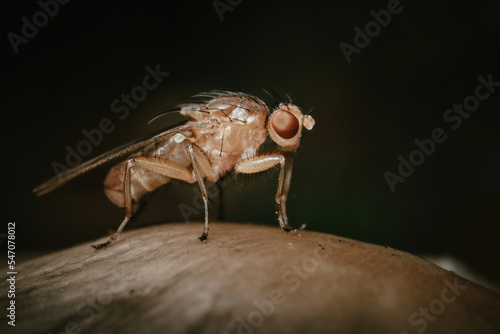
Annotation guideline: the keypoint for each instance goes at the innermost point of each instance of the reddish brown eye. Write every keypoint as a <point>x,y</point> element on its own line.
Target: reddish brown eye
<point>285,124</point>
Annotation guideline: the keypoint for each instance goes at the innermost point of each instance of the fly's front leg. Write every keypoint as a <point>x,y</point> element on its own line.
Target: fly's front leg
<point>262,163</point>
<point>285,179</point>
<point>158,166</point>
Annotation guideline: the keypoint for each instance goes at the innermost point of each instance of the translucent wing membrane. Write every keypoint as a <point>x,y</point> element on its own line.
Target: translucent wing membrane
<point>125,150</point>
<point>214,94</point>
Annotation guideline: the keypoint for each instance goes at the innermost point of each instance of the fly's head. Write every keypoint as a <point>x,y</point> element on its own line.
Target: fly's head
<point>284,125</point>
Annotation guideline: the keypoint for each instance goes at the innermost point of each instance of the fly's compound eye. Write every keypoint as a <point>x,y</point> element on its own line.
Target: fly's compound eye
<point>285,124</point>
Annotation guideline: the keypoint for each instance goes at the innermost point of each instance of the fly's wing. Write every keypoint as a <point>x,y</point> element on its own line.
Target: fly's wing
<point>119,152</point>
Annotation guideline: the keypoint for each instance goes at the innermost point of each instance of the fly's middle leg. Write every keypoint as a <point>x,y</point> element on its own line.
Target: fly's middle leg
<point>154,165</point>
<point>202,169</point>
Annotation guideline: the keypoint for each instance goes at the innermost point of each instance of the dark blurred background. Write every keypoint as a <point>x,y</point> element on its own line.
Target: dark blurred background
<point>368,112</point>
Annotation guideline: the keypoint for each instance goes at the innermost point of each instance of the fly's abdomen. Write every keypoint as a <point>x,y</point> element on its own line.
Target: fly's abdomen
<point>142,182</point>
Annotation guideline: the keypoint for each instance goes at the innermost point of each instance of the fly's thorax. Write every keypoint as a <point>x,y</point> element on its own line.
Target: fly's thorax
<point>237,128</point>
<point>231,107</point>
<point>227,143</point>
<point>172,150</point>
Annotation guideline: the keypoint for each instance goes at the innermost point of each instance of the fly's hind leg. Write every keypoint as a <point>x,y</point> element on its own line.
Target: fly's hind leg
<point>154,165</point>
<point>265,162</point>
<point>115,235</point>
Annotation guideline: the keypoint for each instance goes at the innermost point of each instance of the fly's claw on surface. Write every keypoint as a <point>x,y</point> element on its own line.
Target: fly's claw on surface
<point>294,230</point>
<point>100,246</point>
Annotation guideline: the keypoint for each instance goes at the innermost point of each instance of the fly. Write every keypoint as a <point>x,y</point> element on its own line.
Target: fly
<point>222,133</point>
